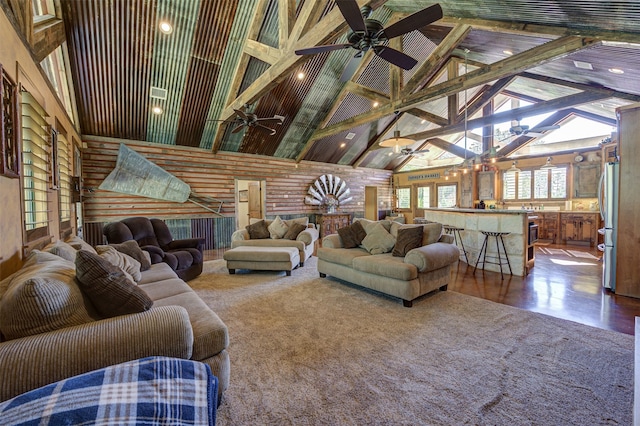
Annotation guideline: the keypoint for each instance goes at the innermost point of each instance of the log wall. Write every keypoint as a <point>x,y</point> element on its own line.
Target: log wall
<point>213,175</point>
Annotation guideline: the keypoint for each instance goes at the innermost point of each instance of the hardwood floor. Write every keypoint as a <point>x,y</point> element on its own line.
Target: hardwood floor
<point>565,283</point>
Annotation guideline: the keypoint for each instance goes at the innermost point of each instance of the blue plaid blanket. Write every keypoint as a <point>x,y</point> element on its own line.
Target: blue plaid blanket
<point>149,391</point>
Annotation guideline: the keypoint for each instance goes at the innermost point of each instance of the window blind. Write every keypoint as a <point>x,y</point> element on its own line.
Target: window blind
<point>64,163</point>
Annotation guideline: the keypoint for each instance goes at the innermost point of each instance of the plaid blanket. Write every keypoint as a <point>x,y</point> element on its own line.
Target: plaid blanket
<point>149,391</point>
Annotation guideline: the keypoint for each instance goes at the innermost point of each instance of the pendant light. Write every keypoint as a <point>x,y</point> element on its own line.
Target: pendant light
<point>513,168</point>
<point>548,165</point>
<point>397,142</point>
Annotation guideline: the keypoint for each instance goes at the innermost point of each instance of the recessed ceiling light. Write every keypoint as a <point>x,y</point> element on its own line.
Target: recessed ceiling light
<point>375,104</point>
<point>343,144</point>
<point>300,75</point>
<point>583,65</point>
<point>507,52</point>
<point>423,121</point>
<point>157,110</point>
<point>616,70</point>
<point>165,27</point>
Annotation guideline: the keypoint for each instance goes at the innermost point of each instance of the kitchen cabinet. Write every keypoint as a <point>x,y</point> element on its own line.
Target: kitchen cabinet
<point>547,226</point>
<point>579,228</point>
<point>486,185</point>
<point>329,223</point>
<point>585,180</point>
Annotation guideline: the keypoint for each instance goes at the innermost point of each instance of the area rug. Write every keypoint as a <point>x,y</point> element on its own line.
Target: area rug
<point>315,351</point>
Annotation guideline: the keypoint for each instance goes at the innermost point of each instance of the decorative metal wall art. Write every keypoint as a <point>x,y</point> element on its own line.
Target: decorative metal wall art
<point>329,192</point>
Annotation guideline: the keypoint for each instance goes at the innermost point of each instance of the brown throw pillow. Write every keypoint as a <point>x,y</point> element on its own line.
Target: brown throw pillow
<point>352,235</point>
<point>408,239</point>
<point>294,230</point>
<point>258,230</point>
<point>132,249</point>
<point>110,291</point>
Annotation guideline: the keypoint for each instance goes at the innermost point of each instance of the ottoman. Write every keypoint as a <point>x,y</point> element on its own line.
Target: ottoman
<point>262,258</point>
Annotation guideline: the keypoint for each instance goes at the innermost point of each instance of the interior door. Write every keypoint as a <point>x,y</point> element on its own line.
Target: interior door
<point>255,201</point>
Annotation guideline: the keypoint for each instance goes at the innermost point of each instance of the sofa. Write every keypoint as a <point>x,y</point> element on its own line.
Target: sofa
<point>70,310</point>
<point>184,256</point>
<point>277,232</point>
<point>403,261</point>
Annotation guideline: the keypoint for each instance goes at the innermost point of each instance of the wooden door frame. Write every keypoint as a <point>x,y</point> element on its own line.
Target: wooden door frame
<point>263,192</point>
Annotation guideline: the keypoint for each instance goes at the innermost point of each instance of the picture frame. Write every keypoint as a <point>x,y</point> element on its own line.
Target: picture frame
<point>243,195</point>
<point>9,129</point>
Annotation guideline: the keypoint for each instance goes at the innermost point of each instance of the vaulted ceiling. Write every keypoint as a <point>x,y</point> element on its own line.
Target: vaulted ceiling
<point>239,54</point>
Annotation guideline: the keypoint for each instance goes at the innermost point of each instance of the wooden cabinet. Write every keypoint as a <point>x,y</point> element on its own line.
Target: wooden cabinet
<point>585,180</point>
<point>547,227</point>
<point>329,223</point>
<point>579,228</point>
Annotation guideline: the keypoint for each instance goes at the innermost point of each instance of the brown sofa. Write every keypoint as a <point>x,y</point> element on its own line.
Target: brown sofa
<point>62,335</point>
<point>420,271</point>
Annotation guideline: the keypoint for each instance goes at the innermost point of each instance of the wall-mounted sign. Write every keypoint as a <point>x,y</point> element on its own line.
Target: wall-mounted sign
<point>435,175</point>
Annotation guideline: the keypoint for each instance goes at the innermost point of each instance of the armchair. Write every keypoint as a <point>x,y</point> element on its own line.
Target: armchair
<point>152,235</point>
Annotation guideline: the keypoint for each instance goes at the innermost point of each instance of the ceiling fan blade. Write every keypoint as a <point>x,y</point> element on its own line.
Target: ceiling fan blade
<point>395,57</point>
<point>266,129</point>
<point>351,68</point>
<point>320,49</point>
<point>532,134</point>
<point>241,114</point>
<point>413,22</point>
<point>238,128</point>
<point>543,128</point>
<point>276,119</point>
<point>351,12</point>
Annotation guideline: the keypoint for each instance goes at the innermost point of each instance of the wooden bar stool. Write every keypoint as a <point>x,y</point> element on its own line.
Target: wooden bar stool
<point>497,236</point>
<point>455,231</point>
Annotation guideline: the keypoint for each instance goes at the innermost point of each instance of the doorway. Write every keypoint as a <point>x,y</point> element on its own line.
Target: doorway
<point>250,201</point>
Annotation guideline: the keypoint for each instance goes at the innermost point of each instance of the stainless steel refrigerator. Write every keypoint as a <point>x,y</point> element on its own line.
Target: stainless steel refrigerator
<point>608,202</point>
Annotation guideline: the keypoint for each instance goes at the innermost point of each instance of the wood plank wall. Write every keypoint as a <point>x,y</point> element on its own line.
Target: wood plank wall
<point>212,175</point>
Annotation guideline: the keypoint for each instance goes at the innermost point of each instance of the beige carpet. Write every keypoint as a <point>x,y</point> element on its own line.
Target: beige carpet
<point>312,351</point>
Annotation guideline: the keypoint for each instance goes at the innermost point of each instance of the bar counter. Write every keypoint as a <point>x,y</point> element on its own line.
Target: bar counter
<point>515,222</point>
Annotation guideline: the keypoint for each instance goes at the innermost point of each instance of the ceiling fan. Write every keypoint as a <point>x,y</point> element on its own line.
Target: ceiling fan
<point>247,119</point>
<point>409,151</point>
<point>518,129</point>
<point>366,33</point>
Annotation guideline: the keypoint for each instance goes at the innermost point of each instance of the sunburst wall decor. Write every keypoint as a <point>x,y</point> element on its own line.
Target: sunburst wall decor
<point>328,192</point>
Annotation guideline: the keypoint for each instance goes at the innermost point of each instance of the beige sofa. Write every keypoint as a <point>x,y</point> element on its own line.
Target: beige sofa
<point>67,336</point>
<point>420,271</point>
<point>304,241</point>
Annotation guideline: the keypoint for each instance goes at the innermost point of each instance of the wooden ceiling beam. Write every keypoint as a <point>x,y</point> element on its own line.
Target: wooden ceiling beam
<point>452,148</point>
<point>373,144</point>
<point>504,68</point>
<point>436,59</point>
<point>513,114</point>
<point>395,73</point>
<point>329,27</point>
<point>486,95</point>
<point>308,17</point>
<point>264,52</point>
<point>47,36</point>
<point>424,115</point>
<point>286,17</point>
<point>521,141</point>
<point>366,92</point>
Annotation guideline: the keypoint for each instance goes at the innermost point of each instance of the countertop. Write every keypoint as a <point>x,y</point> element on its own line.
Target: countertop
<point>507,211</point>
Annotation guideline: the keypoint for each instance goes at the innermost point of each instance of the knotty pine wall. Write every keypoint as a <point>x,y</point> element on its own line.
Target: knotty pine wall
<point>213,175</point>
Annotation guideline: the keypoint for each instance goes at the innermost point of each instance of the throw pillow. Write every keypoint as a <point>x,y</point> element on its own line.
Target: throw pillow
<point>368,225</point>
<point>431,233</point>
<point>106,286</point>
<point>62,249</point>
<point>131,248</point>
<point>79,244</point>
<point>409,237</point>
<point>301,220</point>
<point>378,240</point>
<point>128,264</point>
<point>258,230</point>
<point>294,230</point>
<point>277,228</point>
<point>352,235</point>
<point>41,297</point>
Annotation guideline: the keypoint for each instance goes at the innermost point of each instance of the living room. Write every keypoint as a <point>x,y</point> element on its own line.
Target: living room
<point>467,104</point>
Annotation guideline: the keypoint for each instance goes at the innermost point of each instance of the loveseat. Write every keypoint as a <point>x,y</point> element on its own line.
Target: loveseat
<point>404,261</point>
<point>184,256</point>
<point>65,314</point>
<point>278,233</point>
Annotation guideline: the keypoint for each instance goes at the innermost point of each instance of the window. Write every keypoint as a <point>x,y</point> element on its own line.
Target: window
<point>542,184</point>
<point>64,162</point>
<point>403,198</point>
<point>423,194</point>
<point>447,195</point>
<point>36,167</point>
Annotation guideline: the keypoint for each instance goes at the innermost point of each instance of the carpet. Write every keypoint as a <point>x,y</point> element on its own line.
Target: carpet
<point>311,351</point>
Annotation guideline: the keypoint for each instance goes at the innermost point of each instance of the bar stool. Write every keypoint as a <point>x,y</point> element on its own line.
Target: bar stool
<point>497,236</point>
<point>455,231</point>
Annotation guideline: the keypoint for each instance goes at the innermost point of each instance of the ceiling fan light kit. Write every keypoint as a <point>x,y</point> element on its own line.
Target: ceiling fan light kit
<point>397,142</point>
